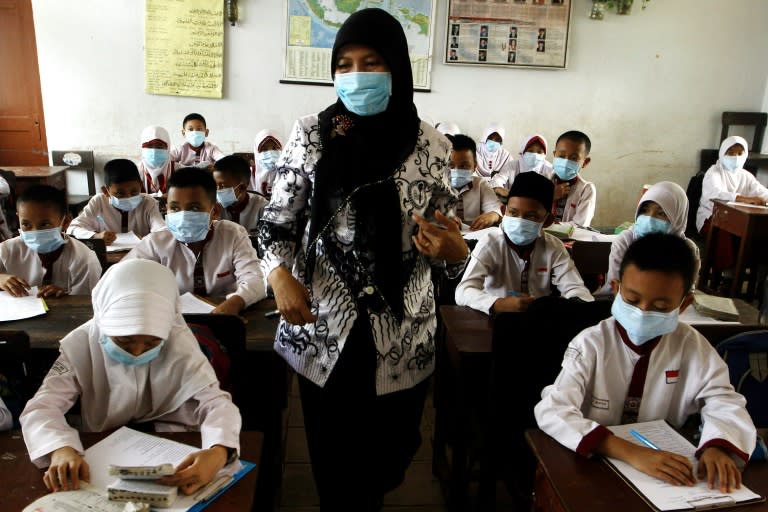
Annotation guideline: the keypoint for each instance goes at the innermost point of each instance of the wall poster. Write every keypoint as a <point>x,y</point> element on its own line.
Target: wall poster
<point>512,33</point>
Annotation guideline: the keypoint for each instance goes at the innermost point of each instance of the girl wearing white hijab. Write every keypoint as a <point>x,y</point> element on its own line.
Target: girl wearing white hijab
<point>135,361</point>
<point>662,209</point>
<point>267,148</point>
<point>533,157</point>
<point>155,166</point>
<point>492,158</point>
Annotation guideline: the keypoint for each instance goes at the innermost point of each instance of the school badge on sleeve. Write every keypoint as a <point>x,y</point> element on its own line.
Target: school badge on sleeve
<point>672,376</point>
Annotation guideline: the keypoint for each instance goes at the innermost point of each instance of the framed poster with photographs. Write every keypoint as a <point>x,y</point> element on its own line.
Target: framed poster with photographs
<point>511,33</point>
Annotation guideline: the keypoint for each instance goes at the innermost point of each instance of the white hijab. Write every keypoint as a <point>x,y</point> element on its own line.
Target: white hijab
<point>528,140</point>
<point>672,199</point>
<point>135,297</point>
<point>726,145</point>
<point>487,162</point>
<point>262,136</point>
<point>151,133</point>
<point>448,128</point>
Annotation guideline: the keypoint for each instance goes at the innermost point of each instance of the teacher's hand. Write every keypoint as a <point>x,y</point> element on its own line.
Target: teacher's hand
<point>440,242</point>
<point>291,297</point>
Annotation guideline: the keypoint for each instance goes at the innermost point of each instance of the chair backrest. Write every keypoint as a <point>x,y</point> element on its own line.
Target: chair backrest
<point>77,160</point>
<point>248,157</point>
<point>693,193</point>
<point>591,257</point>
<point>98,246</point>
<point>9,204</point>
<point>746,355</point>
<point>758,120</point>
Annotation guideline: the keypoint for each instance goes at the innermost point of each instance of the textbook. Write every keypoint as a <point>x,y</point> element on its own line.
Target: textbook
<point>562,230</point>
<point>128,447</point>
<point>721,308</point>
<point>661,495</point>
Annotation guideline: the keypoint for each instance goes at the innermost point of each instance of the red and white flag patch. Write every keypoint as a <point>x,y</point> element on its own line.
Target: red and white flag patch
<point>673,376</point>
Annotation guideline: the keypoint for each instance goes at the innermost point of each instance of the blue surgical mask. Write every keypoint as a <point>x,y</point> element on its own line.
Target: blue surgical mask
<point>188,227</point>
<point>460,177</point>
<point>520,231</point>
<point>364,94</point>
<point>123,357</point>
<point>126,204</point>
<point>642,326</point>
<point>154,157</point>
<point>645,225</point>
<point>492,145</point>
<point>565,169</point>
<point>43,241</point>
<point>732,163</point>
<point>226,196</point>
<point>268,159</point>
<point>533,160</point>
<point>195,138</point>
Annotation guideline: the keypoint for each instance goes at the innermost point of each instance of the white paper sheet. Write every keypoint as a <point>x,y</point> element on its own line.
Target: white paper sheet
<point>191,304</point>
<point>87,498</point>
<point>124,242</point>
<point>476,235</point>
<point>587,235</point>
<point>665,496</point>
<point>17,308</point>
<point>693,317</point>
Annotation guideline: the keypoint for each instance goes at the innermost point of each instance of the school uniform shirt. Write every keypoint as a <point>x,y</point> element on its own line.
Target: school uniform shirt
<point>262,178</point>
<point>495,269</point>
<point>246,214</point>
<point>76,270</point>
<point>506,177</point>
<point>141,220</point>
<point>684,375</point>
<point>178,390</point>
<point>5,191</point>
<point>187,156</point>
<point>230,263</point>
<point>406,349</point>
<point>154,180</point>
<point>475,199</point>
<point>580,203</point>
<point>720,183</point>
<point>488,164</point>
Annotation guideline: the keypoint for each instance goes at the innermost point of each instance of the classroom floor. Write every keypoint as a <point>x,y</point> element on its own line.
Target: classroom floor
<point>420,492</point>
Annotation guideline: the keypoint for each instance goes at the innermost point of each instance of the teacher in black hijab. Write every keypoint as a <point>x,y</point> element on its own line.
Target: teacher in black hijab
<point>359,217</point>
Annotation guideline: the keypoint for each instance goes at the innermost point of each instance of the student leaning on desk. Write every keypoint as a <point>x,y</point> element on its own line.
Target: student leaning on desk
<point>641,365</point>
<point>135,361</point>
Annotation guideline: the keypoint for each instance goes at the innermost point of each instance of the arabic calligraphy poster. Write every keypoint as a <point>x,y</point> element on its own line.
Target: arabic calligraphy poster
<point>510,33</point>
<point>184,47</point>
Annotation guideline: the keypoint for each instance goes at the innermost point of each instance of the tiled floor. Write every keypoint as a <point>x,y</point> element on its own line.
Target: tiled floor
<point>419,493</point>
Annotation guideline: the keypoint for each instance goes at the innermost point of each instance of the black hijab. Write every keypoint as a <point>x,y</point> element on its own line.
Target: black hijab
<point>365,151</point>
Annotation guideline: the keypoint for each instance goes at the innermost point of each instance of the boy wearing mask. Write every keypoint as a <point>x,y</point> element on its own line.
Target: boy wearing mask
<point>575,198</point>
<point>196,151</point>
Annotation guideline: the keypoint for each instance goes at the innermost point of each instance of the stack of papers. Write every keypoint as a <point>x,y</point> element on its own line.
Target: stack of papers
<point>720,308</point>
<point>562,230</point>
<point>124,242</point>
<point>18,308</point>
<point>191,303</point>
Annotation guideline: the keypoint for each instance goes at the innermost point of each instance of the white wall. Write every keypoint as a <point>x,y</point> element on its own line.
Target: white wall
<point>648,88</point>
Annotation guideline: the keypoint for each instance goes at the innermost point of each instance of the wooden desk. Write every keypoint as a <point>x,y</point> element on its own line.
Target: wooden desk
<point>750,225</point>
<point>567,481</point>
<point>23,481</point>
<point>54,175</point>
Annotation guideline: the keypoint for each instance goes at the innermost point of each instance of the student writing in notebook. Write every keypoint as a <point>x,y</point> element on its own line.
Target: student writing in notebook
<point>196,151</point>
<point>510,267</point>
<point>136,361</point>
<point>119,208</point>
<point>209,257</point>
<point>232,175</point>
<point>642,364</point>
<point>42,255</point>
<point>575,198</point>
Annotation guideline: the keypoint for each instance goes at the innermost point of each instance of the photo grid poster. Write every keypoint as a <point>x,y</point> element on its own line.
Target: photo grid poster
<point>312,26</point>
<point>513,33</point>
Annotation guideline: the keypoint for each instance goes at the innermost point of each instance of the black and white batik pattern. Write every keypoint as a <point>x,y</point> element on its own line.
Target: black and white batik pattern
<point>405,350</point>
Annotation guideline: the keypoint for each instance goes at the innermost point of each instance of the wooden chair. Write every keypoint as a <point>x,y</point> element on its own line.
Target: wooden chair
<point>77,161</point>
<point>591,260</point>
<point>9,203</point>
<point>98,246</point>
<point>14,360</point>
<point>757,120</point>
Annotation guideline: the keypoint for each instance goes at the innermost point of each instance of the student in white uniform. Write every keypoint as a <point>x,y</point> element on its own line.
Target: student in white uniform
<point>155,166</point>
<point>196,151</point>
<point>477,207</point>
<point>119,208</point>
<point>135,361</point>
<point>232,175</point>
<point>267,148</point>
<point>209,257</point>
<point>5,191</point>
<point>575,198</point>
<point>642,364</point>
<point>42,255</point>
<point>727,180</point>
<point>662,209</point>
<point>492,158</point>
<point>533,157</point>
<point>511,267</point>
<point>6,419</point>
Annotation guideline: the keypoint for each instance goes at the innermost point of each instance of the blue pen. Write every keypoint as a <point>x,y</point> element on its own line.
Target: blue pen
<point>640,437</point>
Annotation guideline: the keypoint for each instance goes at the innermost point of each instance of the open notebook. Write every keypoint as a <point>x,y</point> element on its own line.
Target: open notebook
<point>661,495</point>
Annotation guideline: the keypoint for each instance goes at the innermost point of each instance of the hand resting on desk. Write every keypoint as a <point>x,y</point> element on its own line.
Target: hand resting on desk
<point>197,469</point>
<point>66,465</point>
